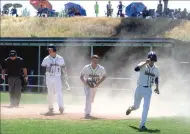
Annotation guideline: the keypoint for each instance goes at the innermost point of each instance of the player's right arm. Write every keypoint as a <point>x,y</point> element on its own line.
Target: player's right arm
<point>141,65</point>
<point>44,62</point>
<point>82,75</point>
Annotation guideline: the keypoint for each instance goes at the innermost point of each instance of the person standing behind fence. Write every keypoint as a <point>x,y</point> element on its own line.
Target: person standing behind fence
<point>14,66</point>
<point>54,64</point>
<point>120,9</point>
<point>96,9</point>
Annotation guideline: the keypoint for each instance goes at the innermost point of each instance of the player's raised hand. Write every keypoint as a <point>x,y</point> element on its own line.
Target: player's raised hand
<point>148,60</point>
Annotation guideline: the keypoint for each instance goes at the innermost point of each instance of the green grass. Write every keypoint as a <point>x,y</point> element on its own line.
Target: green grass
<point>173,125</point>
<point>162,126</point>
<point>26,98</point>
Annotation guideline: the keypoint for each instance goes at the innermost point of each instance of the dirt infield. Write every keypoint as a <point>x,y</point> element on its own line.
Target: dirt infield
<point>37,111</point>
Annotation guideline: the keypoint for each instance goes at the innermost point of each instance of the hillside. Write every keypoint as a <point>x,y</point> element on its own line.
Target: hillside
<point>94,27</point>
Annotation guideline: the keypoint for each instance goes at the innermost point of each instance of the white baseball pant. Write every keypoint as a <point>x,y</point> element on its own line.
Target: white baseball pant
<point>54,85</point>
<point>146,93</point>
<point>90,94</point>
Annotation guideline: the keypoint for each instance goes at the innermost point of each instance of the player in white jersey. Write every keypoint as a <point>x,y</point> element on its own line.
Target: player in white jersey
<point>149,74</point>
<point>55,65</point>
<point>97,73</point>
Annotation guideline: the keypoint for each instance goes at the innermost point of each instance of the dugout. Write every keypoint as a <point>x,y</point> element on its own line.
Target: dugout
<point>117,50</point>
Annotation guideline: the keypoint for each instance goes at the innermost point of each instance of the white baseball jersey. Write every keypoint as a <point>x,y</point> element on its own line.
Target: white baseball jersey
<point>53,65</point>
<point>147,75</point>
<point>95,74</point>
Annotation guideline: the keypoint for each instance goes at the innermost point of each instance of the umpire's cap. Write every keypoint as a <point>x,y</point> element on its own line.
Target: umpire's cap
<point>52,46</point>
<point>12,53</point>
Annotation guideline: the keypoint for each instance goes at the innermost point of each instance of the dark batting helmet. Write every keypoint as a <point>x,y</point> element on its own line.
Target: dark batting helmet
<point>52,46</point>
<point>152,56</point>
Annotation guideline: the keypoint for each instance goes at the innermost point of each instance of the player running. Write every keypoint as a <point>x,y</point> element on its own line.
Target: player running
<point>149,74</point>
<point>96,73</point>
<point>54,64</point>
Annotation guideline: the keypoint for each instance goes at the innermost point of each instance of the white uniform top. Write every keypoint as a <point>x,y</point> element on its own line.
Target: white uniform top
<point>53,65</point>
<point>95,74</point>
<point>147,75</point>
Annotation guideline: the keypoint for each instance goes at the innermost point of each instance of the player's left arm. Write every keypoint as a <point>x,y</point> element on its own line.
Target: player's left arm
<point>104,75</point>
<point>157,82</point>
<point>63,67</point>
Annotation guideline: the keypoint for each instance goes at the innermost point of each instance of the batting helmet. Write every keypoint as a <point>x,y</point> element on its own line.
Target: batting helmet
<point>12,53</point>
<point>52,46</point>
<point>152,56</point>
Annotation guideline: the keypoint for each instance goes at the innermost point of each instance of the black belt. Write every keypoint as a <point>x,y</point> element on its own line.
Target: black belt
<point>146,86</point>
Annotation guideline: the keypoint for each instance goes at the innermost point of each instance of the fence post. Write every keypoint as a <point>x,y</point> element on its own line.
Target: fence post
<point>151,48</point>
<point>91,50</point>
<point>39,64</point>
<point>4,86</point>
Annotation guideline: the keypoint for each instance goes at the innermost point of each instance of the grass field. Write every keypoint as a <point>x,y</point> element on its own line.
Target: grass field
<point>24,126</point>
<point>172,125</point>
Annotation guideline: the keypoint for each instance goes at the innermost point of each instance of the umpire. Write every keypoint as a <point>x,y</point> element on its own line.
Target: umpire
<point>14,66</point>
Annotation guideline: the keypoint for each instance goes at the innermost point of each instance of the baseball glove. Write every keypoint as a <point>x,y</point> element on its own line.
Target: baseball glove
<point>91,82</point>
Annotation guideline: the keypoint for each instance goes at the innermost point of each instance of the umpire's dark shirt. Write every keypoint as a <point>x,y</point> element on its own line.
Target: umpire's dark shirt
<point>13,67</point>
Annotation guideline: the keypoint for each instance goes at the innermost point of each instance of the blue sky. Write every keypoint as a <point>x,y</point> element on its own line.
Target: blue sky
<point>89,5</point>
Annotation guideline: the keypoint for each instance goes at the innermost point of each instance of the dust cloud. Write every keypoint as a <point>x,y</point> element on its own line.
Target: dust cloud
<point>114,96</point>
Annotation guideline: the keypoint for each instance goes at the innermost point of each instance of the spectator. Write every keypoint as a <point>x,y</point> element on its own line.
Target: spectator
<point>96,9</point>
<point>120,9</point>
<point>159,8</point>
<point>39,13</point>
<point>165,5</point>
<point>178,15</point>
<point>134,11</point>
<point>184,14</point>
<point>71,11</point>
<point>109,9</point>
<point>188,16</point>
<point>77,13</point>
<point>145,13</point>
<point>14,12</point>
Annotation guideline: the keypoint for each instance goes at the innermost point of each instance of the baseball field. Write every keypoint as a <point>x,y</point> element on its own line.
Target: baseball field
<point>169,112</point>
<point>28,118</point>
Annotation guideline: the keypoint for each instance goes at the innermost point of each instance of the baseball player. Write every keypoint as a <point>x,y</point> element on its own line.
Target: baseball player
<point>97,74</point>
<point>54,64</point>
<point>148,75</point>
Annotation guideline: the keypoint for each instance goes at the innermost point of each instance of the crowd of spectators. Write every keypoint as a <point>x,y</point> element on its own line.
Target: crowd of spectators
<point>161,11</point>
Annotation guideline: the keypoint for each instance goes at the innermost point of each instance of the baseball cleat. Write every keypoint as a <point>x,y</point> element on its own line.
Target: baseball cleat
<point>61,110</point>
<point>143,128</point>
<point>87,116</point>
<point>50,112</point>
<point>128,111</point>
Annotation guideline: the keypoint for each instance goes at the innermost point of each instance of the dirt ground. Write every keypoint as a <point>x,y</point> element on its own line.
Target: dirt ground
<point>37,111</point>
